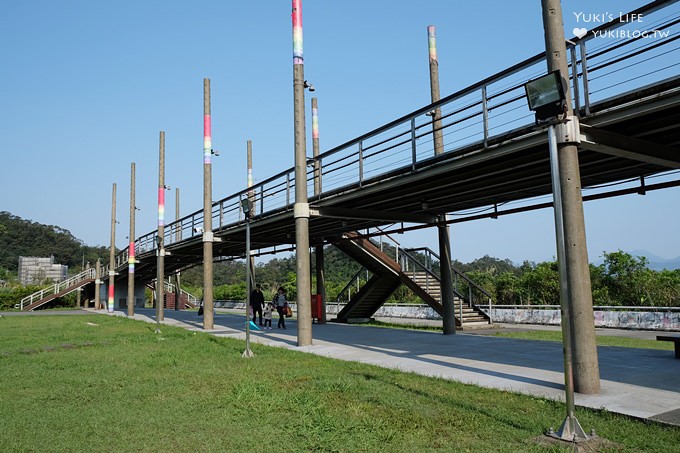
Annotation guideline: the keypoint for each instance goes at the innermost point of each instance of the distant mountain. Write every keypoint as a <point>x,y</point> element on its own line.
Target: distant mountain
<point>657,263</point>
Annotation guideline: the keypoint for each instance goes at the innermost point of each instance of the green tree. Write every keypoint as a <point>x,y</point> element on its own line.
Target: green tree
<point>508,291</point>
<point>541,284</point>
<point>627,278</point>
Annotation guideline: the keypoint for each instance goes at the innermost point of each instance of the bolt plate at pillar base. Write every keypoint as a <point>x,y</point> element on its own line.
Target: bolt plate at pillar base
<point>593,443</point>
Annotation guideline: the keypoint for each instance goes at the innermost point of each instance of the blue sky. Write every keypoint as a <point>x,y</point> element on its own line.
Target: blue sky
<point>86,86</point>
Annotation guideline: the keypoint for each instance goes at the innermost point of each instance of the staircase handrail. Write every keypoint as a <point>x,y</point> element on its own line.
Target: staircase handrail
<point>347,288</point>
<point>57,287</point>
<point>170,288</point>
<point>397,245</point>
<point>349,285</point>
<point>456,274</point>
<point>409,261</point>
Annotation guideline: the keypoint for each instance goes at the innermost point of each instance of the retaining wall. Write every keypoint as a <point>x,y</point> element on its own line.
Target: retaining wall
<point>642,320</point>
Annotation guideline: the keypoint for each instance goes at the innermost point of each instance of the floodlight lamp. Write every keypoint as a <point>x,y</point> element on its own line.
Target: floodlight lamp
<point>545,95</point>
<point>247,207</point>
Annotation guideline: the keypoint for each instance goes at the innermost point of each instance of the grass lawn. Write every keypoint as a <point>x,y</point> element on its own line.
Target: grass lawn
<point>101,383</point>
<point>546,335</point>
<point>602,340</point>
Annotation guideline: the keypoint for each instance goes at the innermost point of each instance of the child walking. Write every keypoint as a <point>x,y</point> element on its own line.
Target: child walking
<point>268,316</point>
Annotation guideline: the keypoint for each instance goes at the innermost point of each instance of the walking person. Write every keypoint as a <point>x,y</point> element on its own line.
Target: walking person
<point>281,303</point>
<point>268,316</point>
<point>256,302</point>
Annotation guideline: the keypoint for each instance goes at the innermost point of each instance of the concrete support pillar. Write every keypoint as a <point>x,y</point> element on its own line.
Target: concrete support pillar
<point>318,250</point>
<point>160,238</point>
<point>449,326</point>
<point>131,247</point>
<point>446,277</point>
<point>301,208</point>
<point>321,282</point>
<point>112,254</point>
<point>584,348</point>
<point>178,237</point>
<point>207,211</point>
<point>434,91</point>
<point>97,284</point>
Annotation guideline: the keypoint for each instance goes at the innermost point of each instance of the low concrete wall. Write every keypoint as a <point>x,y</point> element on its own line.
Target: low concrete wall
<point>642,320</point>
<point>387,311</point>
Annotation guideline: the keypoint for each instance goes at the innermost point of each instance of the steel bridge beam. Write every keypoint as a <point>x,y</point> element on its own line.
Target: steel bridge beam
<point>606,142</point>
<point>370,214</point>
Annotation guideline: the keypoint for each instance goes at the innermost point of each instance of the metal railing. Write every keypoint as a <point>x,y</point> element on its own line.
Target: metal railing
<point>595,308</point>
<point>56,288</point>
<point>472,120</point>
<point>170,288</point>
<point>414,260</point>
<point>356,282</point>
<point>463,287</point>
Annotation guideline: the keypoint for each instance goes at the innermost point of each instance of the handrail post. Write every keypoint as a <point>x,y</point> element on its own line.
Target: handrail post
<point>485,113</point>
<point>361,163</point>
<point>414,155</point>
<point>574,75</point>
<point>584,67</point>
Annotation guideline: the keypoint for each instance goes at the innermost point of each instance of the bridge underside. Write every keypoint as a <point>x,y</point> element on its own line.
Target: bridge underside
<point>634,136</point>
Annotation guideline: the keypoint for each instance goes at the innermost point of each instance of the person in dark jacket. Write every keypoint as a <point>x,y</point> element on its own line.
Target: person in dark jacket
<point>280,303</point>
<point>256,302</point>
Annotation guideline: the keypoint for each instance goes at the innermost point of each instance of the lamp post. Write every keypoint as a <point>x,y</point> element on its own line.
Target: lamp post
<point>546,97</point>
<point>247,206</point>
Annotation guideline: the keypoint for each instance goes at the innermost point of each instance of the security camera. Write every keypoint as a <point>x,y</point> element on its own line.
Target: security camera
<point>216,153</point>
<point>198,230</point>
<point>309,86</point>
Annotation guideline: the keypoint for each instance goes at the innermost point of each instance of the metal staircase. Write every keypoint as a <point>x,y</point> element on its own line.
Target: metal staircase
<point>413,268</point>
<point>468,297</point>
<point>186,298</point>
<point>62,288</point>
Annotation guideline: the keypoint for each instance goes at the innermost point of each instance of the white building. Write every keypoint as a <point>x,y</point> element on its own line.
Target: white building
<point>34,270</point>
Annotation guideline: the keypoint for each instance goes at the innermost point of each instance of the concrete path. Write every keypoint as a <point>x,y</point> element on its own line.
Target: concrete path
<point>643,383</point>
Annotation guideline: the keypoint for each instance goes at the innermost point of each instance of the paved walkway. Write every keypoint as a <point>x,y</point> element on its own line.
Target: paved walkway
<point>643,383</point>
